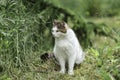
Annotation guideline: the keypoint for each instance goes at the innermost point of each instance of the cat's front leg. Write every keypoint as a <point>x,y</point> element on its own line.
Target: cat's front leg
<point>62,65</point>
<point>71,63</point>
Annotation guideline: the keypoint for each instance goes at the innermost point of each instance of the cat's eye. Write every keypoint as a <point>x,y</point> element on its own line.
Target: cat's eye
<point>57,30</point>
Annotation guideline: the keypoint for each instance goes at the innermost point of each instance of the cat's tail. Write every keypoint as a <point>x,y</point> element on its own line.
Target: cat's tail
<point>82,58</point>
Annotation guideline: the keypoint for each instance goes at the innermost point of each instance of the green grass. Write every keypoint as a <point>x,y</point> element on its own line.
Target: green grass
<point>24,36</point>
<point>101,62</point>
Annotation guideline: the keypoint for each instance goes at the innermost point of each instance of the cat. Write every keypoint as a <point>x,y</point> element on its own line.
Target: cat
<point>66,48</point>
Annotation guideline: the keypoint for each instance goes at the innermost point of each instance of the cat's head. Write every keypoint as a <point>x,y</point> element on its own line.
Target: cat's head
<point>59,28</point>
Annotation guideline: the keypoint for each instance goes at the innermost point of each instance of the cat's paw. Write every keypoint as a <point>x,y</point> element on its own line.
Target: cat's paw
<point>70,72</point>
<point>62,72</point>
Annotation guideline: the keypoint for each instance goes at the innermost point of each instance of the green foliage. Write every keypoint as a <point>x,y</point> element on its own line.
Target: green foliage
<point>93,7</point>
<point>90,7</point>
<point>17,34</point>
<point>25,27</point>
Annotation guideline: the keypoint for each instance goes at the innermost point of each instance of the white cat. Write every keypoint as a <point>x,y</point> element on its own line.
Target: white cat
<point>67,47</point>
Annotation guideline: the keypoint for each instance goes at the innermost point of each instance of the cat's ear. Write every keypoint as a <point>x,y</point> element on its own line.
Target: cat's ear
<point>54,21</point>
<point>63,23</point>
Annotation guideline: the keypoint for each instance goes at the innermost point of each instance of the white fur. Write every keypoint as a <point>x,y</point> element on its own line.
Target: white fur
<point>67,49</point>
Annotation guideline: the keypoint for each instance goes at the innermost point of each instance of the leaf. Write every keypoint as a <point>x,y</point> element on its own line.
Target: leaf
<point>105,75</point>
<point>95,52</point>
<point>3,2</point>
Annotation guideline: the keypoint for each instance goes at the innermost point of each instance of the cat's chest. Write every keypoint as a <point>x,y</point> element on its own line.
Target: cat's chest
<point>64,48</point>
<point>63,44</point>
